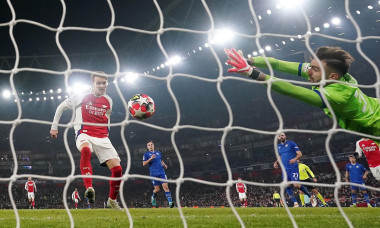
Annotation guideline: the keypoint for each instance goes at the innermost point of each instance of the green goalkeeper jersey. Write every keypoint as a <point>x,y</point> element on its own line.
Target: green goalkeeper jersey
<point>354,110</point>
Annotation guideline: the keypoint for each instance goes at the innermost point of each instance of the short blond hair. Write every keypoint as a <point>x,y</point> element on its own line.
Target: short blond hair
<point>98,74</point>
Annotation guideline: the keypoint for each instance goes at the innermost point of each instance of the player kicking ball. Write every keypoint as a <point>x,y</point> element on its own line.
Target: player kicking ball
<point>153,159</point>
<point>93,107</point>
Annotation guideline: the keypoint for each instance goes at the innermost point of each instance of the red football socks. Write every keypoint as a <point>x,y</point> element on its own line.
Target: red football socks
<point>85,166</point>
<point>115,184</point>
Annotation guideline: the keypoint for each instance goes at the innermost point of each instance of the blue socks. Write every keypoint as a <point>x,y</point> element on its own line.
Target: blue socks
<point>168,196</point>
<point>289,190</point>
<point>354,197</point>
<point>304,189</point>
<point>366,198</point>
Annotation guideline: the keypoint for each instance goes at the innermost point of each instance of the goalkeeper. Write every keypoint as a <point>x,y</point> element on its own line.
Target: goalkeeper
<point>354,110</point>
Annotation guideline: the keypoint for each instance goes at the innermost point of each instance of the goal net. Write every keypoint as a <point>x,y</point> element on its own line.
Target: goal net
<point>211,126</point>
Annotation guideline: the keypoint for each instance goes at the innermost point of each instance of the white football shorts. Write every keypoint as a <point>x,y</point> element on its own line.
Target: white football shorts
<point>30,195</point>
<point>375,172</point>
<point>242,195</point>
<point>76,200</point>
<point>102,147</point>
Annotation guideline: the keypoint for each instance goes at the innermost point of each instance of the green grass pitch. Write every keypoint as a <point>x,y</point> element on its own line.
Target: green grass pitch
<point>195,217</point>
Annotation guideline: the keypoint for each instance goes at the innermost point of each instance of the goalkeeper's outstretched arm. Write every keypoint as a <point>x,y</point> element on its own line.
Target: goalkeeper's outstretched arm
<point>241,66</point>
<point>295,68</point>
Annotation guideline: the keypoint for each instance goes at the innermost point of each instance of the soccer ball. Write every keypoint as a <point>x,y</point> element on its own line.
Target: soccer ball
<point>141,106</point>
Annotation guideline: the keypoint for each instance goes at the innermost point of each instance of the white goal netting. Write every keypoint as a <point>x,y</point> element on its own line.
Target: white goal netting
<point>279,29</point>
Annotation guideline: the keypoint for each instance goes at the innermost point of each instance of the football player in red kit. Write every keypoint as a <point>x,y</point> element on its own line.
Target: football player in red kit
<point>94,107</point>
<point>241,189</point>
<point>30,186</point>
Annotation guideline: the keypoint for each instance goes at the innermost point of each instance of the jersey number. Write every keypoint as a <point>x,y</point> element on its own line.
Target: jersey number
<point>361,100</point>
<point>295,176</point>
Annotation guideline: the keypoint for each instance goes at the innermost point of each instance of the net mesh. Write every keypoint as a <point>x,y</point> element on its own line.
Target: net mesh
<point>168,79</point>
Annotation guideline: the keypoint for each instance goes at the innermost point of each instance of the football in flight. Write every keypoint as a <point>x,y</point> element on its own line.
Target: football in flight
<point>141,106</point>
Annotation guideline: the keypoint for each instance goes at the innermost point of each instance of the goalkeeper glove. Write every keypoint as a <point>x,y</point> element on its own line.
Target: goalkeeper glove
<point>240,65</point>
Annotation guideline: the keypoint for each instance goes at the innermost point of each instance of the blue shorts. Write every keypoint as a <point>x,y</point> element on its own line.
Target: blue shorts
<point>156,182</point>
<point>293,174</point>
<point>356,187</point>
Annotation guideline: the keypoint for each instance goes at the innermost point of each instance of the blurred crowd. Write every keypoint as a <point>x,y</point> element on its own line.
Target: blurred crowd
<point>137,193</point>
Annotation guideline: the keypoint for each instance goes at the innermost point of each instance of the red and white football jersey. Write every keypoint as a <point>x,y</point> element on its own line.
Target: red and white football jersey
<point>30,186</point>
<point>75,195</point>
<point>240,187</point>
<point>88,108</point>
<point>371,151</point>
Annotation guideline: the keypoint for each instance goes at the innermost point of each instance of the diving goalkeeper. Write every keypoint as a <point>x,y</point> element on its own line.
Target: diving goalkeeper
<point>354,110</point>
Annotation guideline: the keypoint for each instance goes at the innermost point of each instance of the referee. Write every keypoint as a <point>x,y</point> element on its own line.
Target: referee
<point>306,175</point>
<point>277,199</point>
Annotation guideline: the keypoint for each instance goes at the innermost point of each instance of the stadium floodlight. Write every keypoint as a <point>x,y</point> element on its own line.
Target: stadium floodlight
<point>326,25</point>
<point>79,87</point>
<point>278,6</point>
<point>357,12</point>
<point>259,17</point>
<point>221,36</point>
<point>317,29</point>
<point>335,21</point>
<point>292,39</point>
<point>51,91</point>
<point>283,42</point>
<point>207,45</point>
<point>7,94</point>
<point>162,65</point>
<point>37,98</point>
<point>269,12</point>
<point>175,60</point>
<point>291,4</point>
<point>30,99</point>
<point>131,77</point>
<point>44,98</point>
<point>254,53</point>
<point>59,90</point>
<point>261,51</point>
<point>51,98</point>
<point>43,91</point>
<point>59,97</point>
<point>268,48</point>
<point>370,7</point>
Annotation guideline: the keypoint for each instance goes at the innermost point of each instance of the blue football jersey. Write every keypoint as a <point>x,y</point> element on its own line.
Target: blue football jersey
<point>356,172</point>
<point>155,166</point>
<point>287,152</point>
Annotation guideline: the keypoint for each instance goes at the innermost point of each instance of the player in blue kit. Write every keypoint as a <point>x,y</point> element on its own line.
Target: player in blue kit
<point>356,173</point>
<point>290,153</point>
<point>156,169</point>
